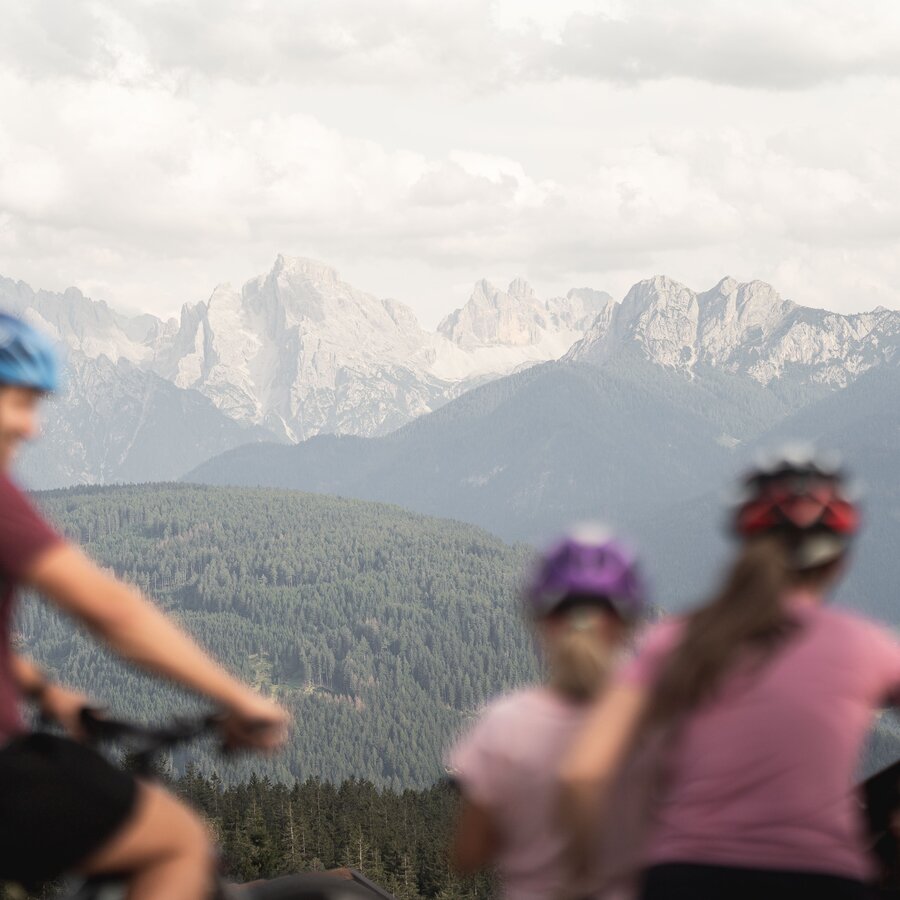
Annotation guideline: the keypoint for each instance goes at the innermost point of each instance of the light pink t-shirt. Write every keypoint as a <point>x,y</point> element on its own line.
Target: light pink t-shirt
<point>508,764</point>
<point>762,776</point>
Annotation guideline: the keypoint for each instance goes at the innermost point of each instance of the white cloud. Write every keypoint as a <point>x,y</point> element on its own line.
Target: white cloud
<point>149,150</point>
<point>765,44</point>
<point>472,44</point>
<point>258,41</point>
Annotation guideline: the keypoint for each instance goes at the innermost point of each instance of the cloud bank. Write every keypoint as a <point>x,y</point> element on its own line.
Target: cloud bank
<point>148,150</point>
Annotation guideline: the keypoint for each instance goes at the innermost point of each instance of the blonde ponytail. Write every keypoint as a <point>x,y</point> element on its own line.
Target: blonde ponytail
<point>579,659</point>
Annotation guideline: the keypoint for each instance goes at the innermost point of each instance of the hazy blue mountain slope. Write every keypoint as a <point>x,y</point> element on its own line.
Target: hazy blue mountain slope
<point>114,422</point>
<point>687,540</point>
<point>649,450</point>
<point>532,452</point>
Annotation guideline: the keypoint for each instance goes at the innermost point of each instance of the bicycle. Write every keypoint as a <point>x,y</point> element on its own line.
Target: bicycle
<point>146,744</point>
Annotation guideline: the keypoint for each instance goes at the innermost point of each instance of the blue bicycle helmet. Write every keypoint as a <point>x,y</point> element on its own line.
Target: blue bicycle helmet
<point>27,357</point>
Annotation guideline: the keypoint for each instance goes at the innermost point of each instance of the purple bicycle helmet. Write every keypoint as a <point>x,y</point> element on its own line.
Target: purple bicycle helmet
<point>587,562</point>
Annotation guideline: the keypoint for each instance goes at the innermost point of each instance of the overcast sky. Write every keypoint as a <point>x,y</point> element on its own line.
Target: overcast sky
<point>152,149</point>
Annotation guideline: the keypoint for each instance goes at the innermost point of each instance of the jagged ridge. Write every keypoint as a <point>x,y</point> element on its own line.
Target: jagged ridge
<point>298,352</point>
<point>741,328</point>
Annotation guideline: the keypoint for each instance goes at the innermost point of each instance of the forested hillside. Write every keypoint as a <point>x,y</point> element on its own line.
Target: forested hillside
<point>398,839</point>
<point>380,629</point>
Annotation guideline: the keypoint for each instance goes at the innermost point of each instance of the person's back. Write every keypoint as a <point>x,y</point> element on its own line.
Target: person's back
<point>583,597</point>
<point>747,717</point>
<point>508,764</point>
<point>763,776</point>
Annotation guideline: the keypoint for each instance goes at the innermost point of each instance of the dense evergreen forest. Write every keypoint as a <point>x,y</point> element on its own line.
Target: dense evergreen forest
<point>380,629</point>
<point>397,839</point>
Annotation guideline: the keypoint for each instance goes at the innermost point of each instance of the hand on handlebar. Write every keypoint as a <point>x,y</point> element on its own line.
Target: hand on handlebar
<point>255,723</point>
<point>64,706</point>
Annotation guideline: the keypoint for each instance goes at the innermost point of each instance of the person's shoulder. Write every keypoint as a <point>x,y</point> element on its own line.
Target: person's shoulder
<point>851,619</point>
<point>510,703</point>
<point>8,487</point>
<point>14,499</point>
<point>24,533</point>
<point>504,711</point>
<point>643,661</point>
<point>493,723</point>
<point>660,635</point>
<point>853,626</point>
<point>14,502</point>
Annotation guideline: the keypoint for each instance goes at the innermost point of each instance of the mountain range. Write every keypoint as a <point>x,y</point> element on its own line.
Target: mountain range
<point>517,414</point>
<point>642,423</point>
<point>293,353</point>
<point>741,329</point>
<point>298,352</point>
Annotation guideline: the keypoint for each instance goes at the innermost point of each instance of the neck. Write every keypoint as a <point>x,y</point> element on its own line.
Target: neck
<point>805,595</point>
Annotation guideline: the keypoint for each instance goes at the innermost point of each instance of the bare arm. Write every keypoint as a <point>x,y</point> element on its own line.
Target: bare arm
<point>592,762</point>
<point>138,631</point>
<point>475,841</point>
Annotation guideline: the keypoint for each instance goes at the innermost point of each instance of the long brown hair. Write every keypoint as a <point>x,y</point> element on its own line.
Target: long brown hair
<point>746,613</point>
<point>745,616</point>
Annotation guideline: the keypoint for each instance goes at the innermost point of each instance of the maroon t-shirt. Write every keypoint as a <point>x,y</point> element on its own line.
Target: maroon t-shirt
<point>24,535</point>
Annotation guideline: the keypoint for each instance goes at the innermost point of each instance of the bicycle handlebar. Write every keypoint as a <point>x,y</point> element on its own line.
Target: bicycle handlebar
<point>146,741</point>
<point>178,731</point>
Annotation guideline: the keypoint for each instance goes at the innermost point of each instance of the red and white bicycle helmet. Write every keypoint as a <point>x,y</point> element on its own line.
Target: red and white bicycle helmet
<point>803,495</point>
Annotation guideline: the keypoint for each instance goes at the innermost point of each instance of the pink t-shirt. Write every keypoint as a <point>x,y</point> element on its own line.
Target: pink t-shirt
<point>762,776</point>
<point>508,764</point>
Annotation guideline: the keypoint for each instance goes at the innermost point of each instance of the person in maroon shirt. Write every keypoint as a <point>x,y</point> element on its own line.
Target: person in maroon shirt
<point>62,807</point>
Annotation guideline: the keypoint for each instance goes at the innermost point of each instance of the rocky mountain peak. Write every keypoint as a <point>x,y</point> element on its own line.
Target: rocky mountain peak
<point>223,295</point>
<point>520,289</point>
<point>84,325</point>
<point>656,294</point>
<point>739,327</point>
<point>478,322</point>
<point>727,285</point>
<point>296,288</point>
<point>517,317</point>
<point>298,351</point>
<point>304,268</point>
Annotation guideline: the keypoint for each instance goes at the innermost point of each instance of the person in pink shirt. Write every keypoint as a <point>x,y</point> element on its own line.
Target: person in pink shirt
<point>753,710</point>
<point>584,596</point>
